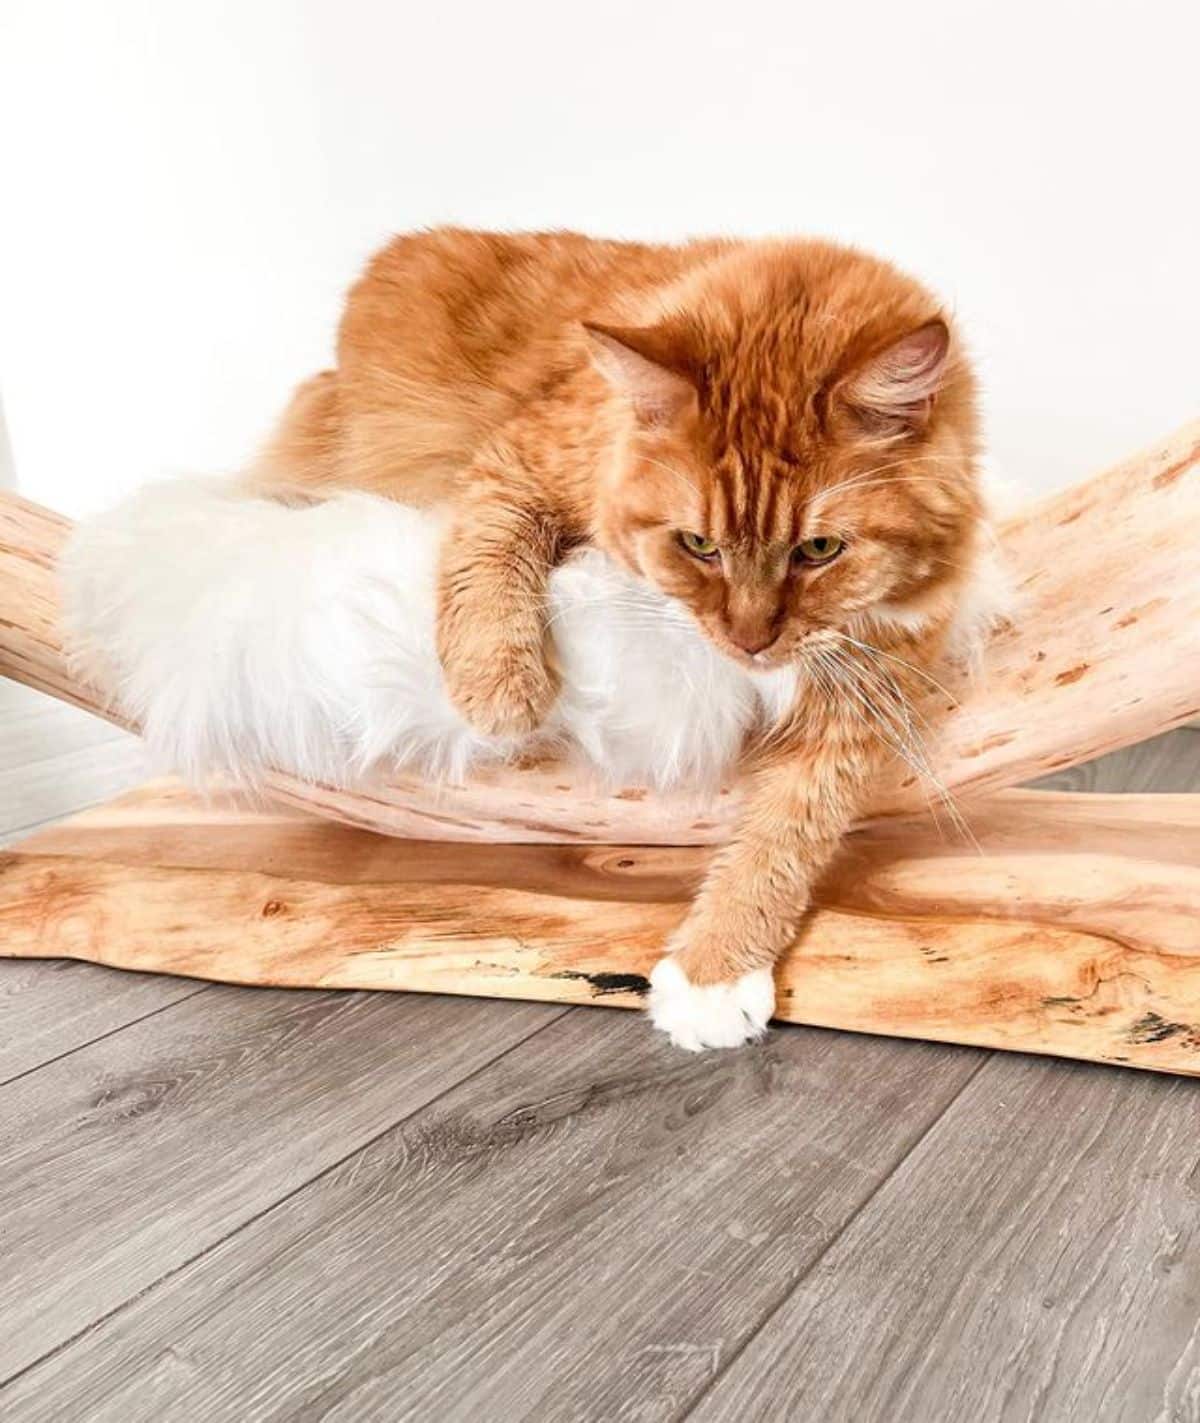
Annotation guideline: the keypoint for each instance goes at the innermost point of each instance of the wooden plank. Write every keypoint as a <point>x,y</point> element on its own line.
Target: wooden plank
<point>588,1229</point>
<point>51,1008</point>
<point>124,1160</point>
<point>1034,1258</point>
<point>1071,928</point>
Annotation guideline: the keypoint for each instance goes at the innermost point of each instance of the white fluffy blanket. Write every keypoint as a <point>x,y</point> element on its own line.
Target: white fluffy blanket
<point>241,634</point>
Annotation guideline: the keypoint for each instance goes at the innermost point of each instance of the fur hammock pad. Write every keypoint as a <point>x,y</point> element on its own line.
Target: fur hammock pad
<point>242,634</point>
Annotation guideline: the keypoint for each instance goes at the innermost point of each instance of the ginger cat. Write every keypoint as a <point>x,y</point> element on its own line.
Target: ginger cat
<point>780,435</point>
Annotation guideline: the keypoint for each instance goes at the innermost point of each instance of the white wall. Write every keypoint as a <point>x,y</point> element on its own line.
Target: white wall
<point>8,469</point>
<point>188,187</point>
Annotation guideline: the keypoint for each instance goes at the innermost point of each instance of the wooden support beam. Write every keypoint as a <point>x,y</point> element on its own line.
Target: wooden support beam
<point>1073,930</point>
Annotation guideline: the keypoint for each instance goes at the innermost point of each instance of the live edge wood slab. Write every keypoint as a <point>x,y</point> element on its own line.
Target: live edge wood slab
<point>1074,929</point>
<point>1070,927</point>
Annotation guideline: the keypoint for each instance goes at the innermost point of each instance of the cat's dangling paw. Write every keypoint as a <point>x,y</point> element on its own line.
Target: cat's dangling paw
<point>702,1016</point>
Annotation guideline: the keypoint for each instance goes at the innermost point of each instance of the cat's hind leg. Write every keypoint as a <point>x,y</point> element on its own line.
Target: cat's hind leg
<point>304,448</point>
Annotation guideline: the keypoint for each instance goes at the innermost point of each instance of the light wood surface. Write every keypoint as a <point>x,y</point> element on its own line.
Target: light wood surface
<point>1103,650</point>
<point>1071,927</point>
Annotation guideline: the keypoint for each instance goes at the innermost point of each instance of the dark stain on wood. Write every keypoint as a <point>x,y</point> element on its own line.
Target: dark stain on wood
<point>605,983</point>
<point>1153,1028</point>
<point>1134,614</point>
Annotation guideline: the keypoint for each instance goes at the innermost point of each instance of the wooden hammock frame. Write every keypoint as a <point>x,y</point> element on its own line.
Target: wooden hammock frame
<point>1071,927</point>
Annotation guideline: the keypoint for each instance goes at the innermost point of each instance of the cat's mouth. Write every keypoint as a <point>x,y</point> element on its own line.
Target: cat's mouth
<point>754,661</point>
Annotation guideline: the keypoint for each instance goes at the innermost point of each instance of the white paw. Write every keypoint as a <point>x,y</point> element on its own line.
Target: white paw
<point>710,1015</point>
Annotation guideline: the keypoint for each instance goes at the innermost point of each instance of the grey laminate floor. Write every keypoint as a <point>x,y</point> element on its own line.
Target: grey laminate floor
<point>221,1203</point>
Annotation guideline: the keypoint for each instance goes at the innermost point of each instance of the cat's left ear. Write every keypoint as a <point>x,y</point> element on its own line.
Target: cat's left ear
<point>894,390</point>
<point>637,362</point>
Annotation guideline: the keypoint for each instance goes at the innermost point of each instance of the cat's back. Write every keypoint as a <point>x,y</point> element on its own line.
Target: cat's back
<point>446,335</point>
<point>450,332</point>
<point>479,300</point>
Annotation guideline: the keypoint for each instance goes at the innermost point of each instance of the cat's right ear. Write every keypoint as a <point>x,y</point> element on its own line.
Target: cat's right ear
<point>893,393</point>
<point>634,361</point>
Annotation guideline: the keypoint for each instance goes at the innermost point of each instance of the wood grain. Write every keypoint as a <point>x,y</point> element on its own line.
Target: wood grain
<point>1071,929</point>
<point>51,1008</point>
<point>1034,1258</point>
<point>1103,651</point>
<point>586,1231</point>
<point>223,1091</point>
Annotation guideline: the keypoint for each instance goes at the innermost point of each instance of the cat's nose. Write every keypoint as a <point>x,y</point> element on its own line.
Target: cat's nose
<point>755,638</point>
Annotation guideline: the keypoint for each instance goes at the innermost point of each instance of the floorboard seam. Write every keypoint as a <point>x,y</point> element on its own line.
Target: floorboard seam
<point>786,1294</point>
<point>99,1038</point>
<point>133,1299</point>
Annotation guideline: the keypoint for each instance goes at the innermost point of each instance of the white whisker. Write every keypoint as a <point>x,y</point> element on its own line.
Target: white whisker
<point>906,742</point>
<point>677,473</point>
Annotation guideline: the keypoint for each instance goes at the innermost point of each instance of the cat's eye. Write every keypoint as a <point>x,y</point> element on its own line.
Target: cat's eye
<point>818,550</point>
<point>697,544</point>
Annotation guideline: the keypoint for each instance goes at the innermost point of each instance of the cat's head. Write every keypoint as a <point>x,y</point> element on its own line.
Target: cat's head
<point>800,454</point>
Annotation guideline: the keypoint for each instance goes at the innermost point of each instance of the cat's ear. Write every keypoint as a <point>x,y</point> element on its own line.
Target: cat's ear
<point>637,362</point>
<point>894,390</point>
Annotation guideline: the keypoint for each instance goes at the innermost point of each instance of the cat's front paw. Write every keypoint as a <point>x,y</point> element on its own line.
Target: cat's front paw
<point>504,696</point>
<point>699,1016</point>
